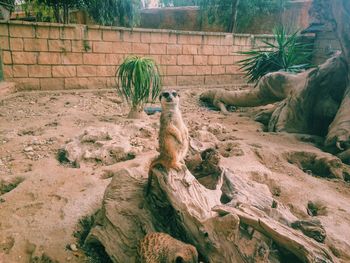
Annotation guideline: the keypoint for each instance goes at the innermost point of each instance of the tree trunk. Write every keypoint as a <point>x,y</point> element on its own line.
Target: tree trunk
<point>136,112</point>
<point>233,23</point>
<point>56,10</point>
<point>65,13</point>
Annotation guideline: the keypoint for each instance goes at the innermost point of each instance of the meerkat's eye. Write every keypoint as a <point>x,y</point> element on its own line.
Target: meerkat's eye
<point>174,93</point>
<point>166,94</point>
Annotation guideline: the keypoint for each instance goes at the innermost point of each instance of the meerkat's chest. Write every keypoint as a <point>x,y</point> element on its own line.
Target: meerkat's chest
<point>178,122</point>
<point>174,118</point>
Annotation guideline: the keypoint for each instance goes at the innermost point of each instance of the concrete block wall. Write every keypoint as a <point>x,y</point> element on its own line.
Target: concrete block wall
<point>54,56</point>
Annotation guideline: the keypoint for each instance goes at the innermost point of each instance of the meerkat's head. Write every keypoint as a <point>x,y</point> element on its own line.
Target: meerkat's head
<point>169,99</point>
<point>187,254</point>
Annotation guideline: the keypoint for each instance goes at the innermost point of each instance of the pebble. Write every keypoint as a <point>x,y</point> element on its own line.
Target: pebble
<point>28,149</point>
<point>73,247</point>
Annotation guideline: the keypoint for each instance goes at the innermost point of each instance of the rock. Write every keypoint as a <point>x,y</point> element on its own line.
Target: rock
<point>93,135</point>
<point>28,149</point>
<point>73,247</point>
<point>104,145</point>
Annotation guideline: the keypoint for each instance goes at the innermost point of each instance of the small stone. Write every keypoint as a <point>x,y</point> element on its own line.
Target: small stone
<point>73,247</point>
<point>28,149</point>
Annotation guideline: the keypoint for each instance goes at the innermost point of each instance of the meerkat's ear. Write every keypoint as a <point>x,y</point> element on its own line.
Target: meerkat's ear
<point>160,97</point>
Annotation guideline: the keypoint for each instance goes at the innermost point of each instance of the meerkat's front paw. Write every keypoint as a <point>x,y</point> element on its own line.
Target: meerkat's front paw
<point>177,167</point>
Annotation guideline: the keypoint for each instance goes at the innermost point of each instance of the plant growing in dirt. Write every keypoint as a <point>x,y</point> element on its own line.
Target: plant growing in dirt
<point>286,53</point>
<point>138,80</point>
<point>6,187</point>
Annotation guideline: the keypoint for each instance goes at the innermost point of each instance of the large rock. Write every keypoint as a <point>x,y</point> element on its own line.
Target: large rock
<point>101,145</point>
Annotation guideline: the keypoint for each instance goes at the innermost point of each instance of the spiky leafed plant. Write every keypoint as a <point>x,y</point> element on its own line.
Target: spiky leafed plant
<point>286,53</point>
<point>138,80</point>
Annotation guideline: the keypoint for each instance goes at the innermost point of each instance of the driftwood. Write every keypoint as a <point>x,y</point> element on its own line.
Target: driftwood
<point>216,221</point>
<point>122,221</point>
<point>314,102</point>
<point>339,130</point>
<point>309,100</point>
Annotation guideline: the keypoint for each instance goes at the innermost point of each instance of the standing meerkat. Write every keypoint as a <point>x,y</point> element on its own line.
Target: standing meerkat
<point>173,134</point>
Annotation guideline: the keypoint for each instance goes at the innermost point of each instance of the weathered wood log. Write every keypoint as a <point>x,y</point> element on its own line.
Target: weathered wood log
<point>272,87</point>
<point>309,100</point>
<point>325,95</point>
<point>209,232</point>
<point>306,250</point>
<point>122,221</point>
<point>212,220</point>
<point>191,206</point>
<point>339,130</point>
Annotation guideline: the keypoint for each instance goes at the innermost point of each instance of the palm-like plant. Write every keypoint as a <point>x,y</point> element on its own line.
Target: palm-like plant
<point>138,80</point>
<point>286,53</point>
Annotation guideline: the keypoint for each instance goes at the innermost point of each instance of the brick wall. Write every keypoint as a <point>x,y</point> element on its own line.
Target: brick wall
<point>53,56</point>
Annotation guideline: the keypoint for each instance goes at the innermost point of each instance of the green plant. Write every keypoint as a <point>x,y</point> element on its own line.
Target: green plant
<point>285,53</point>
<point>138,80</point>
<point>114,12</point>
<point>179,2</point>
<point>64,5</point>
<point>42,12</point>
<point>9,4</point>
<point>237,15</point>
<point>86,45</point>
<point>6,187</point>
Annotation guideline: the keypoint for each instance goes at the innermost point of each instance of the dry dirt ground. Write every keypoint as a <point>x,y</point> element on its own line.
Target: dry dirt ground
<point>42,200</point>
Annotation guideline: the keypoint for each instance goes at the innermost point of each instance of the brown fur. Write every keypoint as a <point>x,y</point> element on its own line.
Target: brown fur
<point>162,248</point>
<point>173,136</point>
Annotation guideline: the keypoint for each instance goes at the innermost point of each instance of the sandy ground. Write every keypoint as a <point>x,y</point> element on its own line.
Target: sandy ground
<point>40,215</point>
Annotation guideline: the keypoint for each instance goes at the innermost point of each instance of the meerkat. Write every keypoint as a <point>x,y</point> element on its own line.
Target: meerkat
<point>162,248</point>
<point>173,135</point>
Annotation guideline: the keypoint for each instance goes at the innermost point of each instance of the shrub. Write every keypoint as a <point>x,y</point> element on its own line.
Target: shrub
<point>286,53</point>
<point>138,80</point>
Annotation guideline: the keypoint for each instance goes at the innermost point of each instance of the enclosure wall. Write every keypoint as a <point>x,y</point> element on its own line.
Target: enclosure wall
<point>55,56</point>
